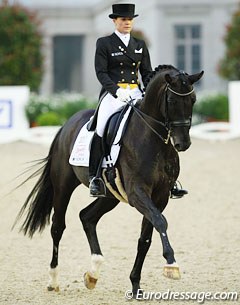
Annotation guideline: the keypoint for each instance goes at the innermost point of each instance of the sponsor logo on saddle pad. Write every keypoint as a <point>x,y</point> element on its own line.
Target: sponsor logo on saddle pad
<point>81,149</point>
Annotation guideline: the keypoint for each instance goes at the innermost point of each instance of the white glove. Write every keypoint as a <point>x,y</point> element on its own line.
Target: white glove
<point>123,95</point>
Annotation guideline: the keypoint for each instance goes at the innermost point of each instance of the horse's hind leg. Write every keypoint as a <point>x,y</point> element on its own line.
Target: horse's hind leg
<point>62,192</point>
<point>90,217</point>
<point>144,244</point>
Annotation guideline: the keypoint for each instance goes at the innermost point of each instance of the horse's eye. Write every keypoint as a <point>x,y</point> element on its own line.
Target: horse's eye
<point>172,102</point>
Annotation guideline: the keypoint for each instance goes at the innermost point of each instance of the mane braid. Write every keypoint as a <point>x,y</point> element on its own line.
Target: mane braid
<point>158,69</point>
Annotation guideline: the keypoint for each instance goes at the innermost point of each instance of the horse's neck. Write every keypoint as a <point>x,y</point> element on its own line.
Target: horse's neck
<point>154,99</point>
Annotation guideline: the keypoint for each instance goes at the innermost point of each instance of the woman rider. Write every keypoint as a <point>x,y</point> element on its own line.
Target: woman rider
<point>119,59</point>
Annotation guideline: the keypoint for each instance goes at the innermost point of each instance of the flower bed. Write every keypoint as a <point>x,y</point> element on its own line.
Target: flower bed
<point>55,109</point>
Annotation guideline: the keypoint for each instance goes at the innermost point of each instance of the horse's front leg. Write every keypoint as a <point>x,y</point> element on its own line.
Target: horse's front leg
<point>144,244</point>
<point>171,269</point>
<point>90,217</point>
<point>143,203</point>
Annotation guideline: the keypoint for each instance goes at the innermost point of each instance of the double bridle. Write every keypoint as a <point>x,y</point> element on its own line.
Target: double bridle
<point>168,124</point>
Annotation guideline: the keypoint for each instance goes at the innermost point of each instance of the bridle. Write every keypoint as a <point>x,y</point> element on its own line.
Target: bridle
<point>167,124</point>
<point>181,123</point>
<point>177,93</point>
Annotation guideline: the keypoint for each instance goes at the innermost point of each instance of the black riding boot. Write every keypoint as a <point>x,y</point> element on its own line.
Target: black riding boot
<point>96,185</point>
<point>177,191</point>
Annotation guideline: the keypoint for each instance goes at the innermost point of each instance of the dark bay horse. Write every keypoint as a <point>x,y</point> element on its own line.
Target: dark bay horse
<point>148,165</point>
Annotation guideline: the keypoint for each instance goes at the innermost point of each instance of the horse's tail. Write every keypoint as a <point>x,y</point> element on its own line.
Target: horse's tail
<point>40,200</point>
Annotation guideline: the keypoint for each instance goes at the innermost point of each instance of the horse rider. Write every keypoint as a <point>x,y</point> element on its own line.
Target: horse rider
<point>118,60</point>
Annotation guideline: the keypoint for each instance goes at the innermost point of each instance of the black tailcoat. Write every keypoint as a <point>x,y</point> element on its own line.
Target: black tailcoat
<point>115,63</point>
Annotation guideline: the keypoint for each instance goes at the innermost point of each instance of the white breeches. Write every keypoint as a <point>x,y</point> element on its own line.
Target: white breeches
<point>109,105</point>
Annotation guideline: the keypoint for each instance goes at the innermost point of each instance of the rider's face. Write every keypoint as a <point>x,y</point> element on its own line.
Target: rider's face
<point>123,24</point>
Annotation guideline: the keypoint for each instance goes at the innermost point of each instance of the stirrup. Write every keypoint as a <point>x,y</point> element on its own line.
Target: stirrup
<point>97,187</point>
<point>177,191</point>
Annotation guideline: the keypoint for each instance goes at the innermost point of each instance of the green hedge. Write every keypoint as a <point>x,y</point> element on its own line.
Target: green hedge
<point>49,119</point>
<point>55,109</point>
<point>212,108</point>
<point>58,108</point>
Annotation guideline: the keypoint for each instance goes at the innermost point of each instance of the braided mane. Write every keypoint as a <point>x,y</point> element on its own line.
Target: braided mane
<point>158,69</point>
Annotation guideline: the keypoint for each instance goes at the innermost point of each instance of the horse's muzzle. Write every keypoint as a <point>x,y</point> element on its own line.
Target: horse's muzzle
<point>182,147</point>
<point>181,143</point>
<point>180,135</point>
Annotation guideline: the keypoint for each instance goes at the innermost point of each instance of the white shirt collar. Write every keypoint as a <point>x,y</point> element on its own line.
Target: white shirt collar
<point>124,37</point>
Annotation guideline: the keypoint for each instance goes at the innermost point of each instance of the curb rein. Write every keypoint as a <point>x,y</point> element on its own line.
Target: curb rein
<point>145,116</point>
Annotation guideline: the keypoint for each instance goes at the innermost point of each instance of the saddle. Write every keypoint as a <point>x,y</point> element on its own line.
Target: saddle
<point>112,127</point>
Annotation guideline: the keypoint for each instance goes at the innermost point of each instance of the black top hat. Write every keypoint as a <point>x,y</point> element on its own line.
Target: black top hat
<point>123,10</point>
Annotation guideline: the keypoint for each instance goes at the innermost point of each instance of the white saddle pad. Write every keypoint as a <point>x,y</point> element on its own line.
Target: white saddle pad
<point>81,149</point>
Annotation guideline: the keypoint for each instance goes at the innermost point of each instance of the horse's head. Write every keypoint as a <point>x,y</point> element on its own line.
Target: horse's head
<point>179,101</point>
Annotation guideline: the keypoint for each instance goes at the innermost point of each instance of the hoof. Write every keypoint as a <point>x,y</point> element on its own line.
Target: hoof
<point>172,272</point>
<point>89,281</point>
<point>50,288</point>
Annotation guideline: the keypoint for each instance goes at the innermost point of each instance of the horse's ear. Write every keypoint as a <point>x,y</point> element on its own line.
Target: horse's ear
<point>168,78</point>
<point>195,77</point>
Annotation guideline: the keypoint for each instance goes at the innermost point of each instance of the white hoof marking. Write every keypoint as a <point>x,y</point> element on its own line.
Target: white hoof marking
<point>97,261</point>
<point>53,278</point>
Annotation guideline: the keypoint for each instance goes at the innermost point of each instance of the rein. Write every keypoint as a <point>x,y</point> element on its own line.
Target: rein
<point>143,116</point>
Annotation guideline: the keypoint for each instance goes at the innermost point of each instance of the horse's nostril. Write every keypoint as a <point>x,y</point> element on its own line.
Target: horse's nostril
<point>177,146</point>
<point>182,146</point>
